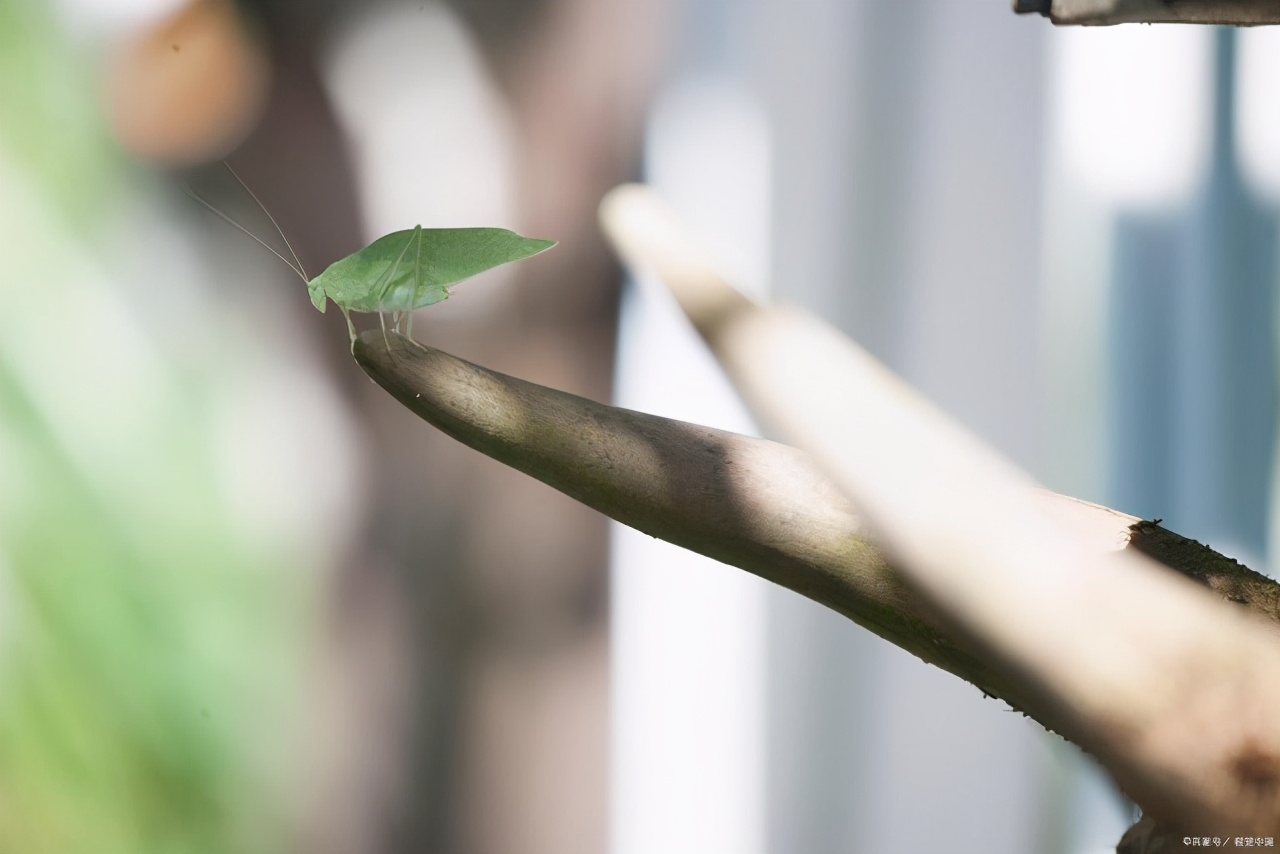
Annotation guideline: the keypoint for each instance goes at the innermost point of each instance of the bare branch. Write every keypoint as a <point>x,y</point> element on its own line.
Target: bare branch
<point>748,502</point>
<point>1101,12</point>
<point>1176,693</point>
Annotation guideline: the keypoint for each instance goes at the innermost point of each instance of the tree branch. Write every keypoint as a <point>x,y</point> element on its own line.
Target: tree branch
<point>750,503</point>
<point>1176,693</point>
<point>747,502</point>
<point>1101,12</point>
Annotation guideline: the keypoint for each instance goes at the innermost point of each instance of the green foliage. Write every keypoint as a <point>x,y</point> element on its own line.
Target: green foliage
<point>140,653</point>
<point>49,117</point>
<point>149,647</point>
<point>412,269</point>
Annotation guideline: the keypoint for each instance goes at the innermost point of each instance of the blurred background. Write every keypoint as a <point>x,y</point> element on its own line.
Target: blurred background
<point>248,603</point>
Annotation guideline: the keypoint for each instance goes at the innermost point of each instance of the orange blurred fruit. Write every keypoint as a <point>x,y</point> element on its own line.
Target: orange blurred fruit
<point>189,88</point>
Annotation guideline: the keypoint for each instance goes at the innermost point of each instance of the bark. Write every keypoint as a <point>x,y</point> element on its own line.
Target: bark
<point>755,504</point>
<point>1170,688</point>
<point>751,503</point>
<point>1104,12</point>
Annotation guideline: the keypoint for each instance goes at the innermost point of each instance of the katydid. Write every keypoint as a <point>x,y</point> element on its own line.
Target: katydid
<point>401,271</point>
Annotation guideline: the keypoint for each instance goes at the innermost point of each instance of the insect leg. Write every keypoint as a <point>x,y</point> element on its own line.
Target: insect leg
<point>387,281</point>
<point>350,326</point>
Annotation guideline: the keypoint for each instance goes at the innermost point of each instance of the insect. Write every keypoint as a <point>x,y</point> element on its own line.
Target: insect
<point>401,271</point>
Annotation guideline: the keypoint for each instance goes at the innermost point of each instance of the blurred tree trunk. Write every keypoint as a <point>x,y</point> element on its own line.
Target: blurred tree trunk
<point>463,693</point>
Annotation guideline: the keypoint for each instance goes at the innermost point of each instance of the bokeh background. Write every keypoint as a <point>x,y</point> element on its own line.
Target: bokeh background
<point>248,603</point>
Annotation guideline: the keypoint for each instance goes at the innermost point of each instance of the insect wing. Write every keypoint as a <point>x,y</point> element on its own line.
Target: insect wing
<point>414,268</point>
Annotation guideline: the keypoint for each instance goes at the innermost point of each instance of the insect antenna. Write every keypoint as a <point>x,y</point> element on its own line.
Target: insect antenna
<point>279,230</point>
<point>296,269</point>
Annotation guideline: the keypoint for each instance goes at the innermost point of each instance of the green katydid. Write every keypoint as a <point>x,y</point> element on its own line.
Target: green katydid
<point>401,271</point>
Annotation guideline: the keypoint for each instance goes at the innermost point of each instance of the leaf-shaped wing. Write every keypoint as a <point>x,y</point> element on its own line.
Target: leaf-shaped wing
<point>414,268</point>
